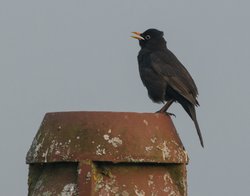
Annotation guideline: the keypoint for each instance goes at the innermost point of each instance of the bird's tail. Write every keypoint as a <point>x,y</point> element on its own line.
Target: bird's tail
<point>190,109</point>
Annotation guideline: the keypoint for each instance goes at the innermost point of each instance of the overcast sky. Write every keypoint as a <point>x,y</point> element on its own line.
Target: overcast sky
<point>77,55</point>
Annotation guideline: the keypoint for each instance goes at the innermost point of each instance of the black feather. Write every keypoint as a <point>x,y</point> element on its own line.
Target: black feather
<point>164,76</point>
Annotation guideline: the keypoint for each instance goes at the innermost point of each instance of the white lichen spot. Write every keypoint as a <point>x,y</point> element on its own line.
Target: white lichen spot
<point>131,159</point>
<point>39,185</point>
<point>153,140</point>
<point>173,193</point>
<point>108,186</point>
<point>170,192</point>
<point>37,147</point>
<point>150,181</point>
<point>115,141</point>
<point>68,151</point>
<point>106,137</point>
<point>99,183</point>
<point>114,189</point>
<point>57,152</point>
<point>69,141</point>
<point>100,151</point>
<point>93,142</point>
<point>174,142</point>
<point>66,155</point>
<point>59,127</point>
<point>69,190</point>
<point>149,148</point>
<point>77,137</point>
<point>47,193</point>
<point>186,156</point>
<point>109,131</point>
<point>184,184</point>
<point>45,154</point>
<point>167,179</point>
<point>125,193</point>
<point>79,171</point>
<point>88,176</point>
<point>154,193</point>
<point>166,189</point>
<point>139,192</point>
<point>179,155</point>
<point>145,122</point>
<point>165,150</point>
<point>53,146</point>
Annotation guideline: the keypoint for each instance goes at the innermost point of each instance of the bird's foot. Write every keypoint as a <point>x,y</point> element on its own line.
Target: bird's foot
<point>166,113</point>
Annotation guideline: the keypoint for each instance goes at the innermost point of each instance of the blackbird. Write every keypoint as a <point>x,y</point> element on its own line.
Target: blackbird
<point>164,76</point>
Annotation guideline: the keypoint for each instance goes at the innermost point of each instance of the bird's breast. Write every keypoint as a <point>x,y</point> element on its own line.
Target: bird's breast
<point>155,84</point>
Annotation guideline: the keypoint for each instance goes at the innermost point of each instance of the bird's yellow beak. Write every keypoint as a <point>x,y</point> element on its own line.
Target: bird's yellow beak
<point>137,36</point>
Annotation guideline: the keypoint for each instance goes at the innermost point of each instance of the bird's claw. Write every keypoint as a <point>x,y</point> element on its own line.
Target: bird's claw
<point>170,114</point>
<point>166,113</point>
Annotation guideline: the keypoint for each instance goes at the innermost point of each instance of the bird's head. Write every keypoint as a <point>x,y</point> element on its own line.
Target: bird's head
<point>151,39</point>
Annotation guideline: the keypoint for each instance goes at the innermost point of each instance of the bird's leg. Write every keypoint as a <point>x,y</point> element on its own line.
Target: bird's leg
<point>165,108</point>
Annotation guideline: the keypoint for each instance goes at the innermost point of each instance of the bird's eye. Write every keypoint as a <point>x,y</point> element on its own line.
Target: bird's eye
<point>147,37</point>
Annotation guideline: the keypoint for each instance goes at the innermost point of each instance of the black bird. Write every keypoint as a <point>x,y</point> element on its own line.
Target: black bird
<point>164,76</point>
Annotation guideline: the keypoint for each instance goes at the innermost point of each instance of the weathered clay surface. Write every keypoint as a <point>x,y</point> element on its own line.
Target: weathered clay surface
<point>107,136</point>
<point>115,153</point>
<point>53,179</point>
<point>139,179</point>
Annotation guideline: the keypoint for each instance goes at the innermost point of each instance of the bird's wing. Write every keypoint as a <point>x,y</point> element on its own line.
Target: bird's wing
<point>170,68</point>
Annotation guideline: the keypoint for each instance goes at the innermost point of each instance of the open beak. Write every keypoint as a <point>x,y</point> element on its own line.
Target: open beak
<point>137,36</point>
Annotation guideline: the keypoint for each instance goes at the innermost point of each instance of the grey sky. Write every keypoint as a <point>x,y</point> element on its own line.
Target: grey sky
<point>77,55</point>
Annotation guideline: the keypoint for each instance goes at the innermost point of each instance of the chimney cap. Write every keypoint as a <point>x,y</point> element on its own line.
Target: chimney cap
<point>107,136</point>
